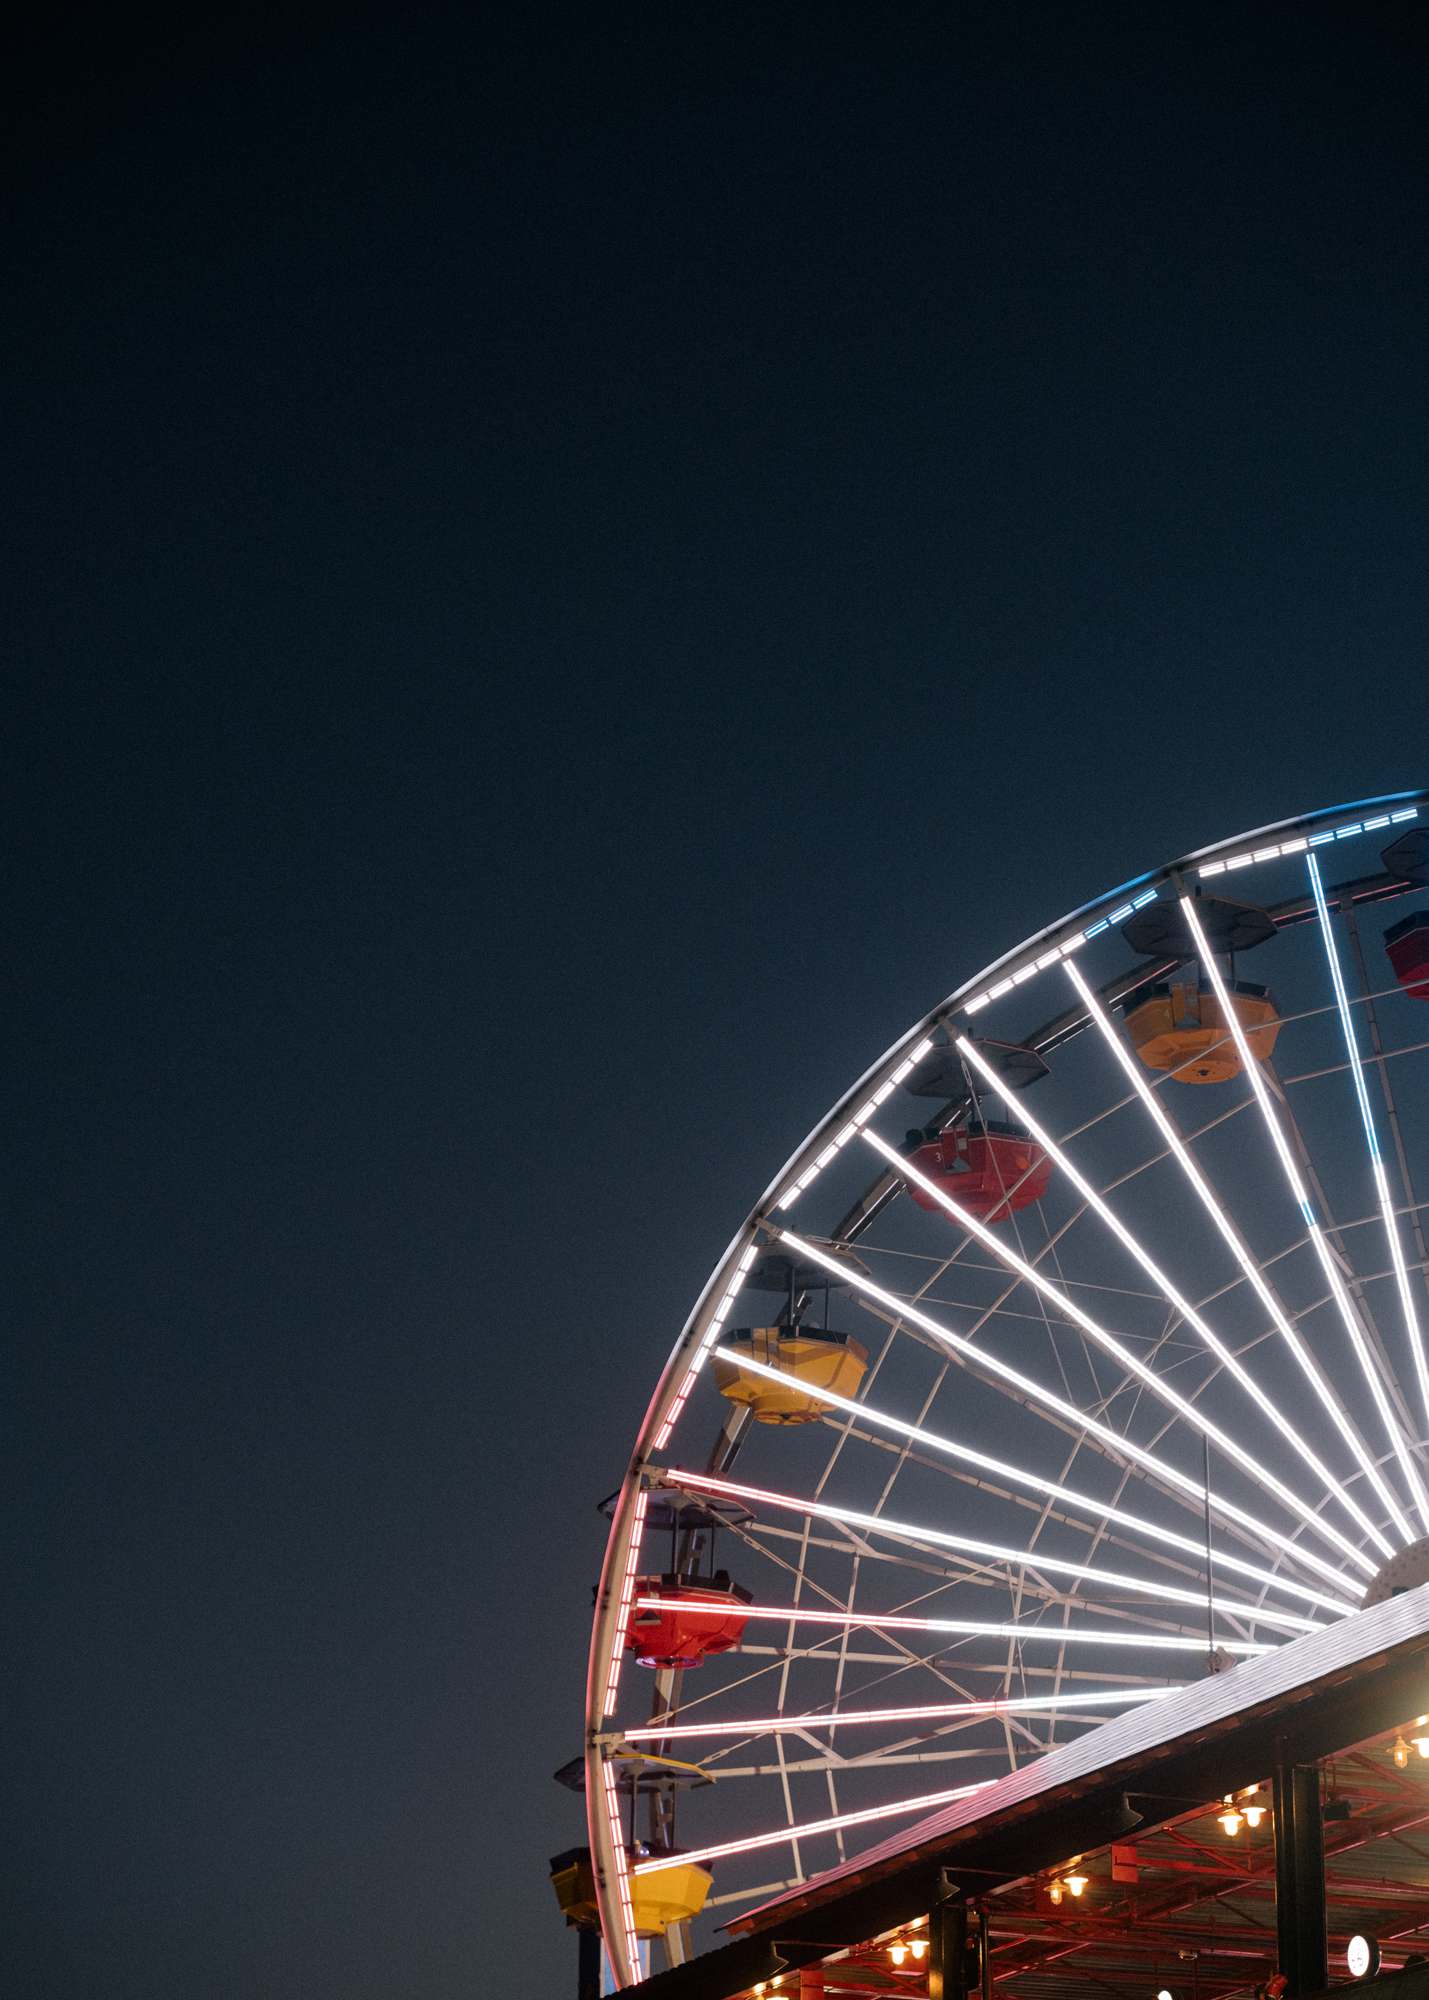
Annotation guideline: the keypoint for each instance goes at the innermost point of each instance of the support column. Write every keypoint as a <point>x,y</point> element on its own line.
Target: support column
<point>948,1948</point>
<point>588,1966</point>
<point>1300,1879</point>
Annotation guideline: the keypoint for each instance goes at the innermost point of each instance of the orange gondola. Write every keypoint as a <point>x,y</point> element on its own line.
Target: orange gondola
<point>1179,1026</point>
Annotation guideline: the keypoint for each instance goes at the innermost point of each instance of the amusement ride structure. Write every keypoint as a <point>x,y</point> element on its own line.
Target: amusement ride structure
<point>1080,1352</point>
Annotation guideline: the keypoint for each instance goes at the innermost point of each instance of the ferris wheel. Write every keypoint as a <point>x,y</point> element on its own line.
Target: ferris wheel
<point>1081,1350</point>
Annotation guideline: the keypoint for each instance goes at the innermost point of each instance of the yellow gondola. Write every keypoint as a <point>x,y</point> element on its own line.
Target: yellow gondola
<point>663,1897</point>
<point>806,1358</point>
<point>1180,1027</point>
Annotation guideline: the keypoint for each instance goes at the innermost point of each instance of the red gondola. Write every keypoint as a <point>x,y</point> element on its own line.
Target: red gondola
<point>1407,943</point>
<point>990,1169</point>
<point>695,1620</point>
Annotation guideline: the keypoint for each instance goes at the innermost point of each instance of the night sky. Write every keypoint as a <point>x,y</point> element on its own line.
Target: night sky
<point>566,578</point>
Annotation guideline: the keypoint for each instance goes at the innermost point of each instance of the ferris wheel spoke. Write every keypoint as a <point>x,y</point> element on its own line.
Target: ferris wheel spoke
<point>903,1660</point>
<point>1099,1510</point>
<point>1380,1056</point>
<point>832,1823</point>
<point>1131,1364</point>
<point>818,1722</point>
<point>1189,1313</point>
<point>1408,1310</point>
<point>1335,1232</point>
<point>1305,1360</point>
<point>990,1552</point>
<point>1119,1446</point>
<point>831,1764</point>
<point>1299,1195</point>
<point>1025,1632</point>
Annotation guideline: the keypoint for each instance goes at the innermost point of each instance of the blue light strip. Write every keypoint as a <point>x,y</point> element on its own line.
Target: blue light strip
<point>1276,850</point>
<point>1381,1179</point>
<point>1282,849</point>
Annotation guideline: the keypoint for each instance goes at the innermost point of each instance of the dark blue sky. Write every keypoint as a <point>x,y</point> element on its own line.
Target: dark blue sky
<point>567,578</point>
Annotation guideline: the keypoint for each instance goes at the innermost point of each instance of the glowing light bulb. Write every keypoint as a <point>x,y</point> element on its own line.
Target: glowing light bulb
<point>1231,1819</point>
<point>898,1952</point>
<point>1054,1893</point>
<point>1164,1993</point>
<point>919,1947</point>
<point>1076,1883</point>
<point>1400,1752</point>
<point>1254,1815</point>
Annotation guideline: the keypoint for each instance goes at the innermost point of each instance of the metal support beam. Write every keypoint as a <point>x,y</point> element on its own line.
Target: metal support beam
<point>1300,1878</point>
<point>948,1946</point>
<point>588,1965</point>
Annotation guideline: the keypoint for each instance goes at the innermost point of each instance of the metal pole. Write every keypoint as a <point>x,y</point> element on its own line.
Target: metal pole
<point>948,1948</point>
<point>588,1966</point>
<point>1300,1879</point>
<point>1210,1590</point>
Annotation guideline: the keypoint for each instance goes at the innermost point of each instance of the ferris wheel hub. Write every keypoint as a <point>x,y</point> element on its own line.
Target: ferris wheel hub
<point>1404,1571</point>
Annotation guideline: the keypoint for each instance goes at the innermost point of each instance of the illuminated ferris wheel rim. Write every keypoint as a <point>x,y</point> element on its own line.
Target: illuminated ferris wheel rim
<point>1226,863</point>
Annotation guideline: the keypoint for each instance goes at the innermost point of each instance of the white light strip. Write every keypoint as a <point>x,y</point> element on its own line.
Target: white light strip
<point>1284,848</point>
<point>1063,950</point>
<point>947,1711</point>
<point>860,1117</point>
<point>1275,850</point>
<point>1264,1403</point>
<point>621,1864</point>
<point>1119,1446</point>
<point>627,1592</point>
<point>1381,1182</point>
<point>702,1353</point>
<point>879,1524</point>
<point>1131,1069</point>
<point>1328,1265</point>
<point>1133,1364</point>
<point>968,1628</point>
<point>1040,1484</point>
<point>810,1827</point>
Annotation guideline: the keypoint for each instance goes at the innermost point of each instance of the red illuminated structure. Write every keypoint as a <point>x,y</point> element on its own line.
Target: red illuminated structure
<point>1407,944</point>
<point>990,1169</point>
<point>692,1622</point>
